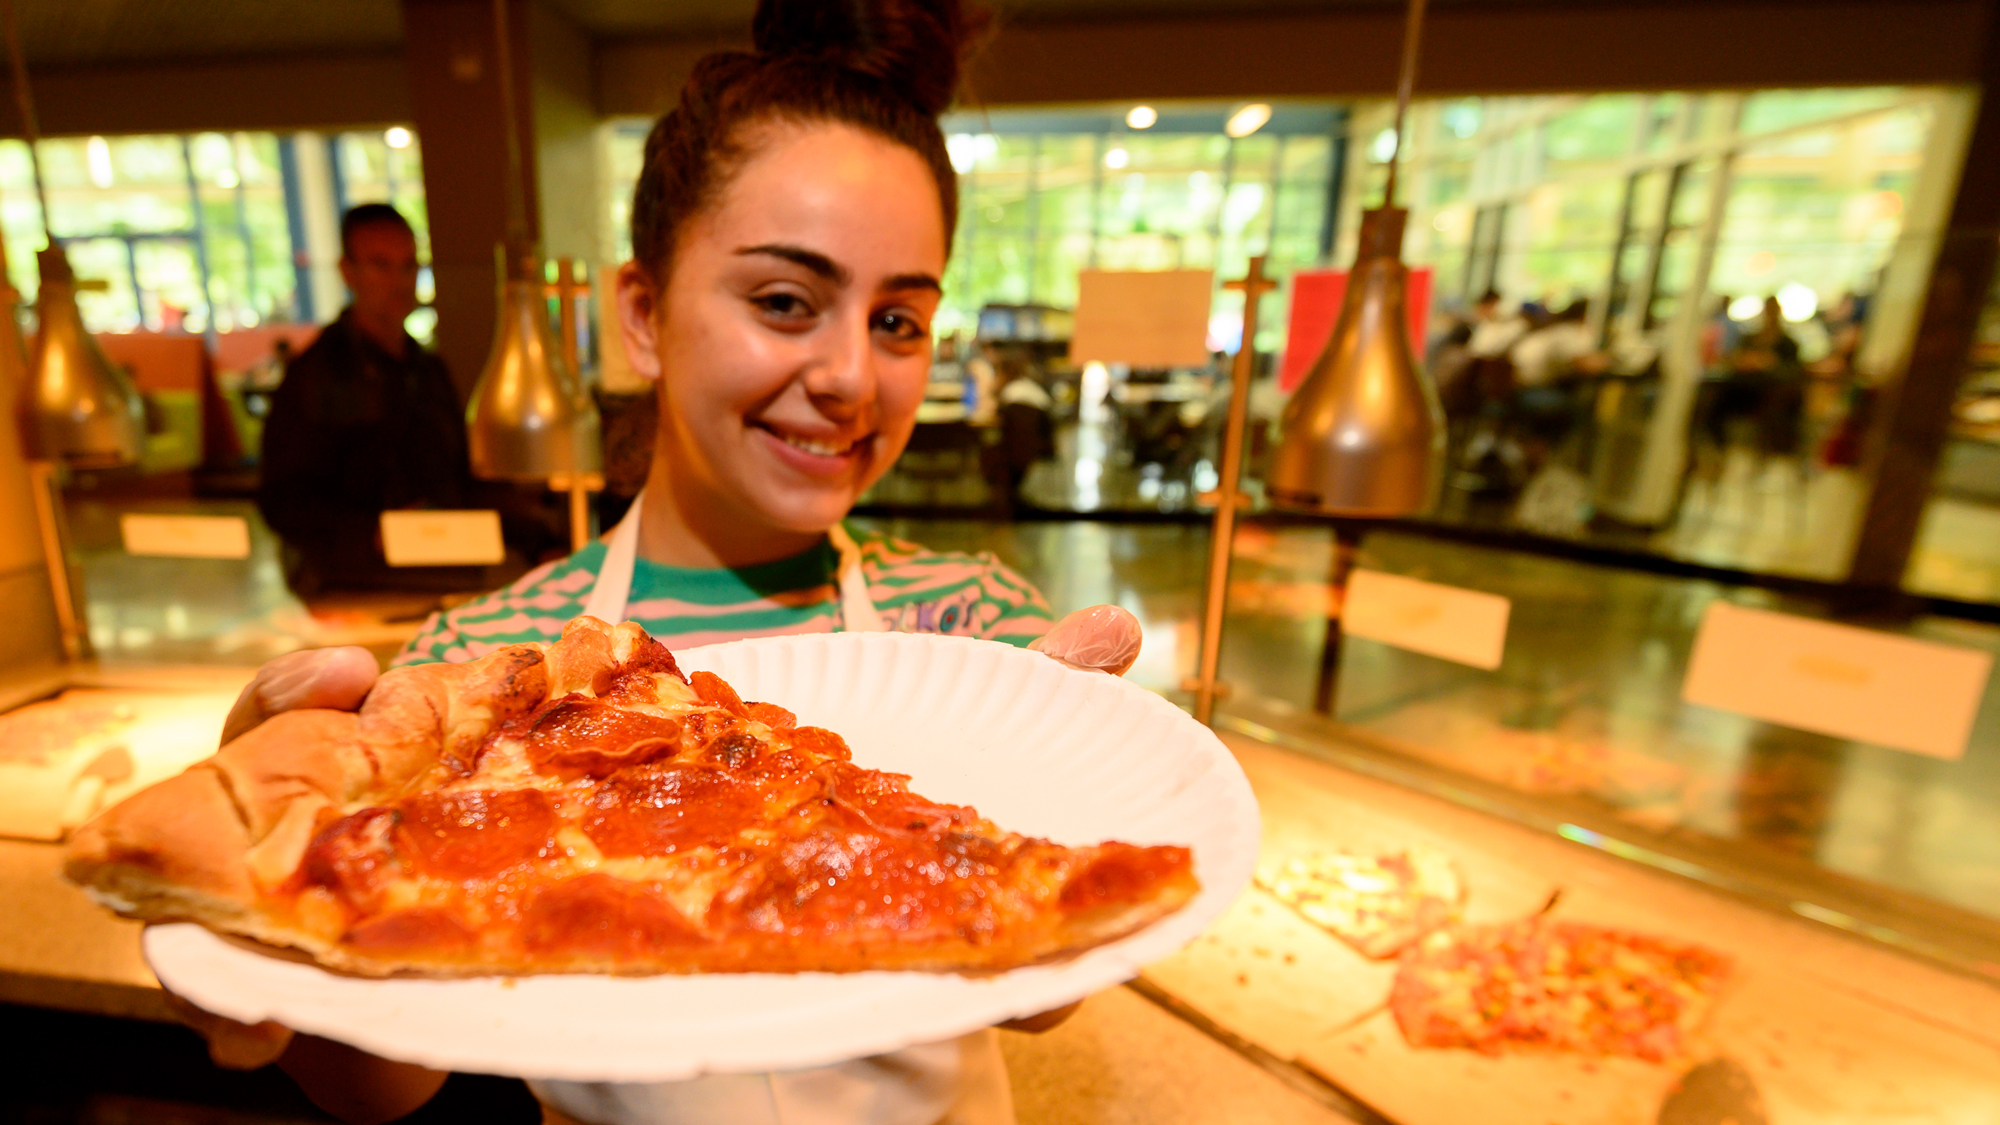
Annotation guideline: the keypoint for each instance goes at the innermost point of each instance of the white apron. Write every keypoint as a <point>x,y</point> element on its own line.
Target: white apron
<point>957,1082</point>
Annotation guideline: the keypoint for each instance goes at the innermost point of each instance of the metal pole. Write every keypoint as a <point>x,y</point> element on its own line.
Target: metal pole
<point>47,485</point>
<point>199,236</point>
<point>1346,541</point>
<point>567,289</point>
<point>1406,80</point>
<point>1229,496</point>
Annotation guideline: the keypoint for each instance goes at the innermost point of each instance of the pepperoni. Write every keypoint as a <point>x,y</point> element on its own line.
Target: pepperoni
<point>419,930</point>
<point>735,750</point>
<point>663,808</point>
<point>352,858</point>
<point>883,801</point>
<point>627,690</point>
<point>1122,873</point>
<point>594,737</point>
<point>710,689</point>
<point>599,917</point>
<point>771,715</point>
<point>836,881</point>
<point>475,834</point>
<point>820,743</point>
<point>650,658</point>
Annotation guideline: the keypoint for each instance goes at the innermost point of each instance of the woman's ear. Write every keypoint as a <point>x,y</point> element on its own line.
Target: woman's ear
<point>638,304</point>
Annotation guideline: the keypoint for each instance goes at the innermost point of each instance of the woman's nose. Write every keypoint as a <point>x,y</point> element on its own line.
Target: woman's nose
<point>843,375</point>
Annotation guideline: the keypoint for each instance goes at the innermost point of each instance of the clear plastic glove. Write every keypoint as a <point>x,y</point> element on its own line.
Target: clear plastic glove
<point>1103,638</point>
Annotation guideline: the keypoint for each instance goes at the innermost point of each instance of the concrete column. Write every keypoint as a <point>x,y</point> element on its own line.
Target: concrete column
<point>1915,417</point>
<point>33,637</point>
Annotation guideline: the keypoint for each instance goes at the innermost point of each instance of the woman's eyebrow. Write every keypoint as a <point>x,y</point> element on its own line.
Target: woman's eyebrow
<point>800,256</point>
<point>913,281</point>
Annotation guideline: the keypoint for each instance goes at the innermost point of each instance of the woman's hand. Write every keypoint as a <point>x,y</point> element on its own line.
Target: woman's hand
<point>353,1086</point>
<point>1103,638</point>
<point>337,678</point>
<point>232,1045</point>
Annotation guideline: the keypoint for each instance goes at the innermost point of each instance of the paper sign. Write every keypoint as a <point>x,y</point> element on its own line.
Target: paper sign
<point>442,538</point>
<point>1850,683</point>
<point>185,537</point>
<point>1466,626</point>
<point>1155,318</point>
<point>1316,298</point>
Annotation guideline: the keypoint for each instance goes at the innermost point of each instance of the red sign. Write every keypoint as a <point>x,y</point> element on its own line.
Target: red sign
<point>1316,297</point>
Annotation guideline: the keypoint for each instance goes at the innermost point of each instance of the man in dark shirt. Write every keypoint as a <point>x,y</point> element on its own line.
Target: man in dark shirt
<point>365,421</point>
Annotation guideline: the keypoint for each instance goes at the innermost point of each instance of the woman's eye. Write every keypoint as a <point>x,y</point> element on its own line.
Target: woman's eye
<point>785,305</point>
<point>900,326</point>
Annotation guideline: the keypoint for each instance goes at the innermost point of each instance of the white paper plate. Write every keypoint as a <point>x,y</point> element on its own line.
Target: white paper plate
<point>1077,757</point>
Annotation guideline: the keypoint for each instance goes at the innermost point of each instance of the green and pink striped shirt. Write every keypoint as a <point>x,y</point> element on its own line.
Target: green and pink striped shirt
<point>915,590</point>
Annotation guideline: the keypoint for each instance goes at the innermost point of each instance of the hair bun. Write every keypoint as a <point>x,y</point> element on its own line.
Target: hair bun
<point>914,46</point>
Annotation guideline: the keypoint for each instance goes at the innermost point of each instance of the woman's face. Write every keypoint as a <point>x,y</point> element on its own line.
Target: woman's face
<point>793,336</point>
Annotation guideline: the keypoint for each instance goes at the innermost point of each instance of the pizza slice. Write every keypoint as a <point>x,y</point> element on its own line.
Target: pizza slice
<point>582,806</point>
<point>1538,984</point>
<point>1378,904</point>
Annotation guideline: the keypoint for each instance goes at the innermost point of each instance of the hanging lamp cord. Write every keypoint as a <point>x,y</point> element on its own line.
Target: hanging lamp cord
<point>1413,28</point>
<point>24,103</point>
<point>517,199</point>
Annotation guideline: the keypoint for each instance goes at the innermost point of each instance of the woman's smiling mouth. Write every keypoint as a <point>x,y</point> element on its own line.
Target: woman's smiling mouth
<point>822,448</point>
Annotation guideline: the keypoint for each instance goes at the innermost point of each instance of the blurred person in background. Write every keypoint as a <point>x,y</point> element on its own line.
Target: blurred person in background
<point>365,421</point>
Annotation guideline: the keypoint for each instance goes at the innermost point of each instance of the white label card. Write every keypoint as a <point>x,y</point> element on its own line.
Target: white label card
<point>185,537</point>
<point>1467,626</point>
<point>1837,680</point>
<point>1145,318</point>
<point>442,538</point>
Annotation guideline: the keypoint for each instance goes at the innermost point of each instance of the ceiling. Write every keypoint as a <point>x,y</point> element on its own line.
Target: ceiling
<point>84,32</point>
<point>87,32</point>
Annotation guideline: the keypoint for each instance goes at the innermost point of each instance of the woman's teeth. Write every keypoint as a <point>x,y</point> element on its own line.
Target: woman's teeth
<point>821,448</point>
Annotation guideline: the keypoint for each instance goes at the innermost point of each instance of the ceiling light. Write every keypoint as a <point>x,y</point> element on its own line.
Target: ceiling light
<point>1247,120</point>
<point>1117,158</point>
<point>1142,117</point>
<point>1798,302</point>
<point>395,136</point>
<point>97,157</point>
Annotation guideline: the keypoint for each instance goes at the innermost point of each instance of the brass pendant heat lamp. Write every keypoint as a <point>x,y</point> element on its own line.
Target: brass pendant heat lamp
<point>530,417</point>
<point>1364,434</point>
<point>78,408</point>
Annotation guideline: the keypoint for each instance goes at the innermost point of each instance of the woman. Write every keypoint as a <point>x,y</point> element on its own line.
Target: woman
<point>790,232</point>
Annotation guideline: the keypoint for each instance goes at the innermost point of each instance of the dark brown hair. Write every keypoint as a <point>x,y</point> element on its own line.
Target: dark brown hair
<point>369,215</point>
<point>886,66</point>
